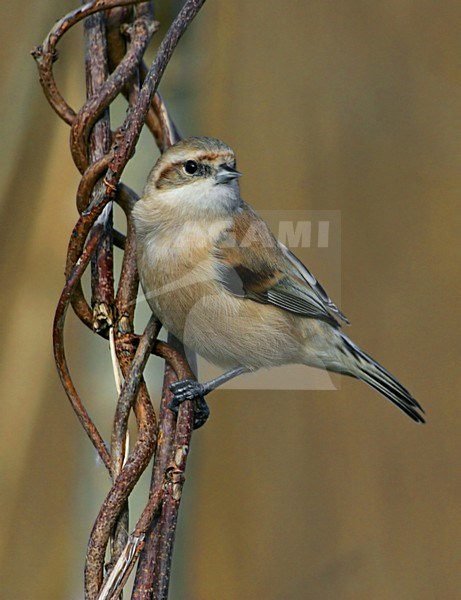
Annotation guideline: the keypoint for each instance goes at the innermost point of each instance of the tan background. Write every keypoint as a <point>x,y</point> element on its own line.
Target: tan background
<point>351,106</point>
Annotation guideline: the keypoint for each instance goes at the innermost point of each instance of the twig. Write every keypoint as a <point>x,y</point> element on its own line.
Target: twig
<point>129,390</point>
<point>130,472</point>
<point>140,35</point>
<point>137,114</point>
<point>60,356</point>
<point>144,581</point>
<point>124,565</point>
<point>166,489</point>
<point>115,501</point>
<point>46,54</point>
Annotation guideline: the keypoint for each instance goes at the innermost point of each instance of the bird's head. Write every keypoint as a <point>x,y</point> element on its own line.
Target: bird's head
<point>198,173</point>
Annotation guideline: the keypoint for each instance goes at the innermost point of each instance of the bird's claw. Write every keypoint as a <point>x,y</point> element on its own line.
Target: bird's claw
<point>186,390</point>
<point>190,390</point>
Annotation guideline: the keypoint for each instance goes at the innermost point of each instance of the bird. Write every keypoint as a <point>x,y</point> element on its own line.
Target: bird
<point>217,278</point>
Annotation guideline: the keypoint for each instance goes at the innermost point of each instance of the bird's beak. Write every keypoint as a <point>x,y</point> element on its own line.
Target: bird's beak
<point>226,173</point>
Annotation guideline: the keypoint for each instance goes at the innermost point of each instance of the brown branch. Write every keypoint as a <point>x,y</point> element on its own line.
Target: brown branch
<point>89,179</point>
<point>75,249</point>
<point>116,66</point>
<point>159,122</point>
<point>78,258</point>
<point>96,65</point>
<point>60,356</point>
<point>46,54</point>
<point>144,581</point>
<point>137,114</point>
<point>164,532</point>
<point>118,576</point>
<point>125,301</point>
<point>125,197</point>
<point>153,537</point>
<point>140,34</point>
<point>113,505</point>
<point>131,471</point>
<point>102,280</point>
<point>129,391</point>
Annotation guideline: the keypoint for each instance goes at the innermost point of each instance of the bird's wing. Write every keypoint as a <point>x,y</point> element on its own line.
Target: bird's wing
<point>253,265</point>
<point>311,280</point>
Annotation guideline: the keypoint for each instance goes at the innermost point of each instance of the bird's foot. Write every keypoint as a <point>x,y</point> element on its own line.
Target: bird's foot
<point>186,390</point>
<point>190,390</point>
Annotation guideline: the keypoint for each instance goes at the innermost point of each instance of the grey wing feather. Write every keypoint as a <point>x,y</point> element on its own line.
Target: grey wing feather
<point>310,279</point>
<point>273,275</point>
<point>287,295</point>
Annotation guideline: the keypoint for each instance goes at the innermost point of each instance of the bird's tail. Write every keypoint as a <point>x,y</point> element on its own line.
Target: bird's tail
<point>368,370</point>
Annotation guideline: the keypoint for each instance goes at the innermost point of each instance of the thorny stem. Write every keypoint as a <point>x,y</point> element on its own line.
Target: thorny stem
<point>116,38</point>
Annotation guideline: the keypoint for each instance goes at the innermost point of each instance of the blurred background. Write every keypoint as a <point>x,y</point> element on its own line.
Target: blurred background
<point>348,106</point>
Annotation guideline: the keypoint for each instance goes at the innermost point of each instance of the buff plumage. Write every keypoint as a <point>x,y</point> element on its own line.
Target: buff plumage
<point>239,301</point>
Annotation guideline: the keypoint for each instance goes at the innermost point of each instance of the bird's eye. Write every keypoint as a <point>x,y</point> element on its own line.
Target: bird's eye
<point>190,167</point>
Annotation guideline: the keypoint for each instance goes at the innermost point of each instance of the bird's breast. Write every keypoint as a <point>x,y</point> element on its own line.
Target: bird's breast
<point>180,278</point>
<point>178,269</point>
